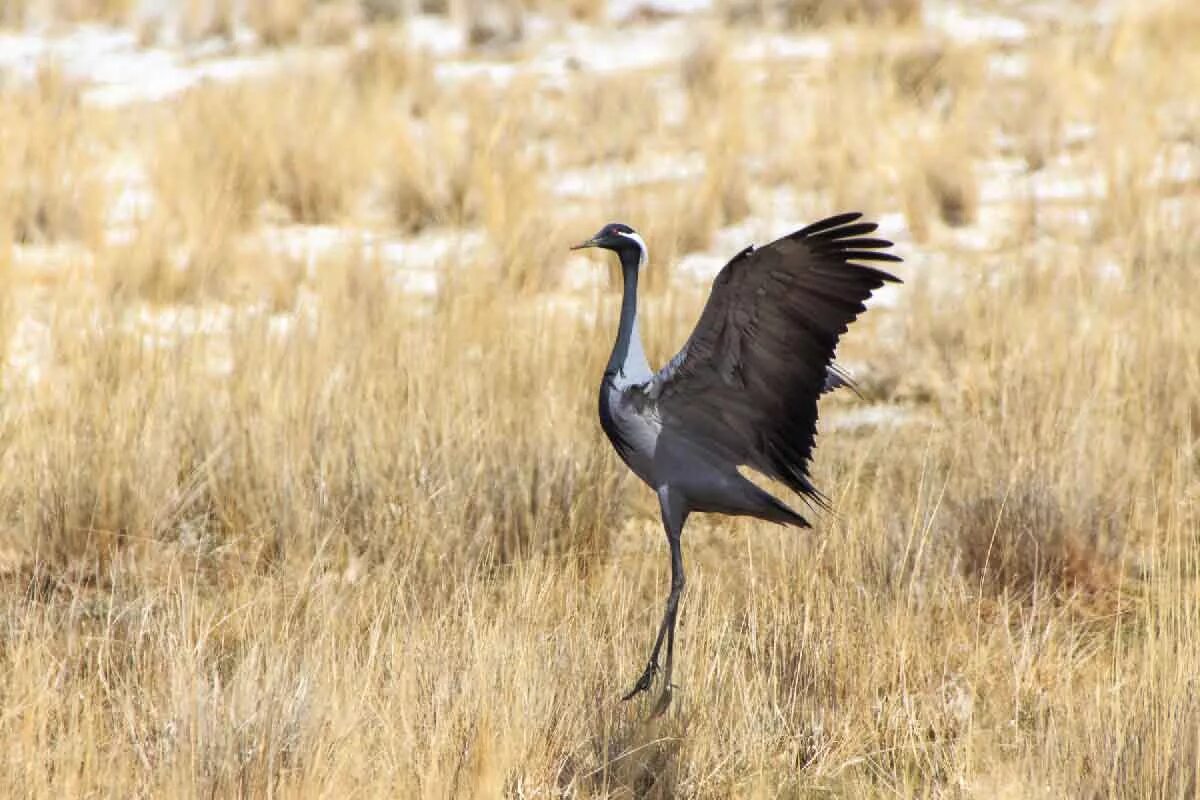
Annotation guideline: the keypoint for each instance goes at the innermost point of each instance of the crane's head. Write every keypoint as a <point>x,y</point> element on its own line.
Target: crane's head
<point>621,239</point>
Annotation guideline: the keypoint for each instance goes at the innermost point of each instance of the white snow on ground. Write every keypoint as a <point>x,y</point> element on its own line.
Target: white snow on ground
<point>166,323</point>
<point>1009,180</point>
<point>436,35</point>
<point>1008,66</point>
<point>428,250</point>
<point>314,243</point>
<point>118,71</point>
<point>873,416</point>
<point>133,198</point>
<point>45,258</point>
<point>1051,185</point>
<point>580,47</point>
<point>422,283</point>
<point>30,350</point>
<point>608,177</point>
<point>964,25</point>
<point>160,83</point>
<point>1077,133</point>
<point>1181,211</point>
<point>620,10</point>
<point>1079,217</point>
<point>759,46</point>
<point>1101,12</point>
<point>1179,163</point>
<point>645,47</point>
<point>166,326</point>
<point>310,244</point>
<point>495,72</point>
<point>586,308</point>
<point>1002,180</point>
<point>414,263</point>
<point>169,326</point>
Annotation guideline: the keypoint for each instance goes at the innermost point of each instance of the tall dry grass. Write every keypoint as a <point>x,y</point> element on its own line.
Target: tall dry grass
<point>50,186</point>
<point>276,528</point>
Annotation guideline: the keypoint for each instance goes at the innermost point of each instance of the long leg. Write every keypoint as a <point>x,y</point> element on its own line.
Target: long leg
<point>677,584</point>
<point>674,515</point>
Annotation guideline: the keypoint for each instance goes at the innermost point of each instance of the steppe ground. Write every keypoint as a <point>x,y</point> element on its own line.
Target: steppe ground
<point>302,490</point>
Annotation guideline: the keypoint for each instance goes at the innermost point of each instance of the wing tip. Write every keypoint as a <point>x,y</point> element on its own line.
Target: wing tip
<point>828,223</point>
<point>843,234</point>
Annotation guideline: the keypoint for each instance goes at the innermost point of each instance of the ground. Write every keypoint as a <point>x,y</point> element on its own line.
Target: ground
<point>303,491</point>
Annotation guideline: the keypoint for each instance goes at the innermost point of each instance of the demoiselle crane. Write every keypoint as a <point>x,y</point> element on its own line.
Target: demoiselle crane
<point>744,388</point>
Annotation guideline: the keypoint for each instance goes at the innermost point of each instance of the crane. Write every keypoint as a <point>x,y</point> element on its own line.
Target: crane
<point>743,390</point>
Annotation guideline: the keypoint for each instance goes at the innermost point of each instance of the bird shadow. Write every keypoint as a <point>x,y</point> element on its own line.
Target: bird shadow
<point>631,752</point>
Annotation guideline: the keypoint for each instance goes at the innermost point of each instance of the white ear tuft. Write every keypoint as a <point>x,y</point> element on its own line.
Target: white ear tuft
<point>641,243</point>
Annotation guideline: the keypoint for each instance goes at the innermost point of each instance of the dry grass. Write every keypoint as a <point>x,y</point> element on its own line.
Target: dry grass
<point>944,183</point>
<point>297,142</point>
<point>278,22</point>
<point>199,19</point>
<point>273,527</point>
<point>50,188</point>
<point>817,13</point>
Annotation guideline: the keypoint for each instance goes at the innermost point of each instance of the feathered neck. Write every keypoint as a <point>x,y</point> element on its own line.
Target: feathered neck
<point>628,364</point>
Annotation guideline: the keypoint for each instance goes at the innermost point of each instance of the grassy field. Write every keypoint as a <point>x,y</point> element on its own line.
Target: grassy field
<point>274,523</point>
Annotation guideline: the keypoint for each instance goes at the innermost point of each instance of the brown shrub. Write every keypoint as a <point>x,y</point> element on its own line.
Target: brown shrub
<point>1025,543</point>
<point>278,22</point>
<point>938,71</point>
<point>940,180</point>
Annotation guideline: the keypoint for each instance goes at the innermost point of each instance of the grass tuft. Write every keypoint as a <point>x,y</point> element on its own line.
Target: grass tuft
<point>50,187</point>
<point>1025,544</point>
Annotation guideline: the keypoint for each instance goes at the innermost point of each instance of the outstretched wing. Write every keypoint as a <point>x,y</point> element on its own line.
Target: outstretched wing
<point>747,381</point>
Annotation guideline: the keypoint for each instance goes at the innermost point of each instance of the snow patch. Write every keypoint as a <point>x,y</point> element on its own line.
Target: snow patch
<point>964,25</point>
<point>778,46</point>
<point>50,257</point>
<point>608,177</point>
<point>118,71</point>
<point>1178,163</point>
<point>134,199</point>
<point>873,416</point>
<point>437,35</point>
<point>608,51</point>
<point>416,262</point>
<point>30,350</point>
<point>621,10</point>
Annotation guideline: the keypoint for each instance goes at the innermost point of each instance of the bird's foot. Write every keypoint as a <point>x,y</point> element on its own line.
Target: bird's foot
<point>664,700</point>
<point>644,682</point>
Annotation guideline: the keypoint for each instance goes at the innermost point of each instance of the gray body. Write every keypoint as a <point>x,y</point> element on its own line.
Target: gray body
<point>743,391</point>
<point>670,462</point>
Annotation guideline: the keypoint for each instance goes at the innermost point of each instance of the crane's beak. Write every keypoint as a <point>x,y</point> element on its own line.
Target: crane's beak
<point>585,244</point>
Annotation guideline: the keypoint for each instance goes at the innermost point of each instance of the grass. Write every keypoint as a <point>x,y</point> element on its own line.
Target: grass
<point>49,186</point>
<point>273,527</point>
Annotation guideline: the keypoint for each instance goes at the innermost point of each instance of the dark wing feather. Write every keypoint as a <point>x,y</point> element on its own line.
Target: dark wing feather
<point>747,381</point>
